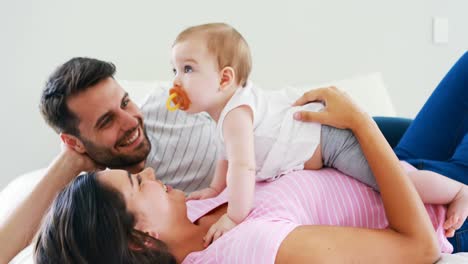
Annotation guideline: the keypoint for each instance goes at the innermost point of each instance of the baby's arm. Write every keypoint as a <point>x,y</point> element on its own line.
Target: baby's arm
<point>238,138</point>
<point>218,183</point>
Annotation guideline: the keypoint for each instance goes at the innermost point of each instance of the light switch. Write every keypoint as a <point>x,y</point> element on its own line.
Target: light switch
<point>440,30</point>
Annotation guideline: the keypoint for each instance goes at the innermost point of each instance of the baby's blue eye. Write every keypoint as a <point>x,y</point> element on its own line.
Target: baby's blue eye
<point>188,69</point>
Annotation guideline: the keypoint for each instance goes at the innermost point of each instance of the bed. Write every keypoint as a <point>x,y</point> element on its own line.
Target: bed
<point>368,90</point>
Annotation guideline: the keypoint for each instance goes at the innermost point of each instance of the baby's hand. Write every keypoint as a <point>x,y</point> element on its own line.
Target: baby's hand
<point>202,194</point>
<point>223,225</point>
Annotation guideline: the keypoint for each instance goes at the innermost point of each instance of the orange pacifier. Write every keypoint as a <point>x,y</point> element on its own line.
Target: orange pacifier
<point>178,99</point>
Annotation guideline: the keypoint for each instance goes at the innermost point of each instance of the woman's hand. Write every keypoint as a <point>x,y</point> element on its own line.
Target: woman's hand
<point>340,111</point>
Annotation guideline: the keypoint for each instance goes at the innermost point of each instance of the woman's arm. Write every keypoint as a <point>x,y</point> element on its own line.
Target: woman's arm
<point>410,237</point>
<point>17,231</point>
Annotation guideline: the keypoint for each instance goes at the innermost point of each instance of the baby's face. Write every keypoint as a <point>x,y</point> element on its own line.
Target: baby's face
<point>196,71</point>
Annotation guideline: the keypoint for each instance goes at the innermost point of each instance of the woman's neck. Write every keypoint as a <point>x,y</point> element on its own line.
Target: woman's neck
<point>189,239</point>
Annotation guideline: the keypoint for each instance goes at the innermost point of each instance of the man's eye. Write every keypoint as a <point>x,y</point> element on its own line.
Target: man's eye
<point>105,122</point>
<point>188,69</point>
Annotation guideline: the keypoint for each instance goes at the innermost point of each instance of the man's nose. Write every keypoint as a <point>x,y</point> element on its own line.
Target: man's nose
<point>128,121</point>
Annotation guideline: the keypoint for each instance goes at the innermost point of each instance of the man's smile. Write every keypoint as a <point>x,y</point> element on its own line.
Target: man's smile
<point>131,138</point>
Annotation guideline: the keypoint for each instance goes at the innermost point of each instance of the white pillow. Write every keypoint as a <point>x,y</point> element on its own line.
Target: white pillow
<point>367,90</point>
<point>26,256</point>
<point>139,91</point>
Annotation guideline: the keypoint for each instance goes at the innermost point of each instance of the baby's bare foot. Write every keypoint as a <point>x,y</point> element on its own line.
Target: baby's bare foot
<point>457,212</point>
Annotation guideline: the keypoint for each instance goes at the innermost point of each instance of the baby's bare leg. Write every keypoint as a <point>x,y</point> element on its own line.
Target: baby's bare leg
<point>437,189</point>
<point>315,162</point>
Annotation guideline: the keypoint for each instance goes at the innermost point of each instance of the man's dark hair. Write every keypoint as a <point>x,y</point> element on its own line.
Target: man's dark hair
<point>70,79</point>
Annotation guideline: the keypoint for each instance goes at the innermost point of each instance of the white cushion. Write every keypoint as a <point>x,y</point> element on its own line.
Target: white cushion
<point>17,190</point>
<point>139,91</point>
<point>367,90</point>
<point>26,256</point>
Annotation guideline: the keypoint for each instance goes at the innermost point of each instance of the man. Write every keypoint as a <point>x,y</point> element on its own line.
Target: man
<point>96,117</point>
<point>100,126</point>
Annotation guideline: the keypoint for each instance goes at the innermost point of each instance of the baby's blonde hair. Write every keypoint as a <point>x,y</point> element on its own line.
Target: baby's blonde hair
<point>226,44</point>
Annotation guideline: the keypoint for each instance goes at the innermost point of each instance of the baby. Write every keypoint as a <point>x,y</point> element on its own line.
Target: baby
<point>262,141</point>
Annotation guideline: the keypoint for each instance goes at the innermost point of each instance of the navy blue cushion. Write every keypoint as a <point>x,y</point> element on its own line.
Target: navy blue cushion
<point>392,128</point>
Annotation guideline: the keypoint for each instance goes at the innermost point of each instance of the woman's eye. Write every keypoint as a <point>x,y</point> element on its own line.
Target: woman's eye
<point>138,179</point>
<point>188,69</point>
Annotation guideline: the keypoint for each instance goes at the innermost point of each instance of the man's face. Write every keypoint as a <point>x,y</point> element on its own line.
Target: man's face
<point>111,125</point>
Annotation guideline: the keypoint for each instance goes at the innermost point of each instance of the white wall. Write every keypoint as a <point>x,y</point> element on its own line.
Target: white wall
<point>293,42</point>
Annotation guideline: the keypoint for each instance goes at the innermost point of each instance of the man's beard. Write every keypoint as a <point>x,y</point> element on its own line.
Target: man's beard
<point>108,157</point>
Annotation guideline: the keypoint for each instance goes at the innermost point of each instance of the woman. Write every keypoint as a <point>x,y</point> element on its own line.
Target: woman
<point>148,212</point>
<point>437,139</point>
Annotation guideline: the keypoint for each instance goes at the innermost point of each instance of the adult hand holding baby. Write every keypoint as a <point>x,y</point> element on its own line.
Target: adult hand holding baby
<point>340,110</point>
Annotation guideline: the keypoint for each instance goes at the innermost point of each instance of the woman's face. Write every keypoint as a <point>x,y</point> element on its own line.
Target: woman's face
<point>153,203</point>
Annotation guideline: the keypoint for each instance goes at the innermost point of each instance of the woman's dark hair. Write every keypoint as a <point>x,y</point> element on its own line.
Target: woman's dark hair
<point>89,223</point>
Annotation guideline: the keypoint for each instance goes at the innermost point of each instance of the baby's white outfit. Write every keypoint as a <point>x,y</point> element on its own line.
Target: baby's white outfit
<point>281,143</point>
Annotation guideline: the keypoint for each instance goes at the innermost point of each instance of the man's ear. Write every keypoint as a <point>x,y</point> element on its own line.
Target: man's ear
<point>73,142</point>
<point>228,77</point>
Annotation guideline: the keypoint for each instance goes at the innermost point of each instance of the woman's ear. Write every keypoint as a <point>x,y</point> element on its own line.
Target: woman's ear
<point>73,142</point>
<point>228,77</point>
<point>146,241</point>
<point>153,234</point>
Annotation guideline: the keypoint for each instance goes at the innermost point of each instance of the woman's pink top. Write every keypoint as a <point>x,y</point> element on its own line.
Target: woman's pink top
<point>325,197</point>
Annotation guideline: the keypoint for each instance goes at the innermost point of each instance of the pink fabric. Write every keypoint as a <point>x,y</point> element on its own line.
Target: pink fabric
<point>325,197</point>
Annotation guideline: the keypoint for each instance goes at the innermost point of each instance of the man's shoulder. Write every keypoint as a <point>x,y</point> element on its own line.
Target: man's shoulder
<point>154,99</point>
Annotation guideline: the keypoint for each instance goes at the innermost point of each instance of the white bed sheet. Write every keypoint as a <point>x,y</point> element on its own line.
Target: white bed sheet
<point>25,257</point>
